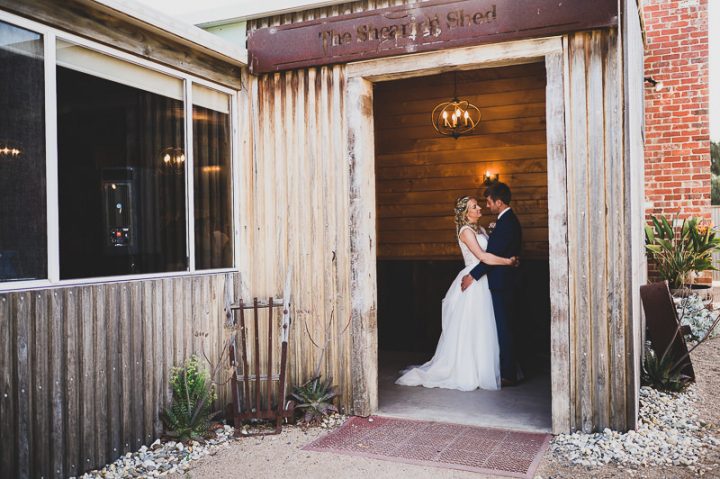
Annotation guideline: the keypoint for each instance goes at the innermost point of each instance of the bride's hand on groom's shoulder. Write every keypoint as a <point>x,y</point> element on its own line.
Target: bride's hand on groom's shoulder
<point>515,261</point>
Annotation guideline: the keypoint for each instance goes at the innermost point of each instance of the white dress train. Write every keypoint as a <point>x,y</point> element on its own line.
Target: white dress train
<point>467,355</point>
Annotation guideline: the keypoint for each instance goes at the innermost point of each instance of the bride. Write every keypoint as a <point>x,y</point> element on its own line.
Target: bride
<point>467,355</point>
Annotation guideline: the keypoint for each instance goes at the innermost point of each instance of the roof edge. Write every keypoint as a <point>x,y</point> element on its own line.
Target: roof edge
<point>180,29</point>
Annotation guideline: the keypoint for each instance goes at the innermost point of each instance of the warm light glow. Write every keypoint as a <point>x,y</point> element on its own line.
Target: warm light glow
<point>211,169</point>
<point>455,118</point>
<point>491,177</point>
<point>173,157</point>
<point>9,152</point>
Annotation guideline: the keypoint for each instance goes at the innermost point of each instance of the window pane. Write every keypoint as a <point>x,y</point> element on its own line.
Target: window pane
<point>213,179</point>
<point>121,168</point>
<point>23,217</point>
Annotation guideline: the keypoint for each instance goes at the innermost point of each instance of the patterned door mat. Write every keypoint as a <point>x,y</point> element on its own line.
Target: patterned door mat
<point>454,446</point>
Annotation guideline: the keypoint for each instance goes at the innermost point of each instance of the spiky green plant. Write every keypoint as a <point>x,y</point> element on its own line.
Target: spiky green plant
<point>679,251</point>
<point>315,398</point>
<point>663,373</point>
<point>193,395</point>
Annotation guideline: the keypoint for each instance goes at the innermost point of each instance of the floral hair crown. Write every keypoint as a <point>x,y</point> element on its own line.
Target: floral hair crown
<point>461,204</point>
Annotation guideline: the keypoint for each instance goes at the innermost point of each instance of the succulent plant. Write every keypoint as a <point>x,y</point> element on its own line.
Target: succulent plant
<point>315,398</point>
<point>662,373</point>
<point>193,395</point>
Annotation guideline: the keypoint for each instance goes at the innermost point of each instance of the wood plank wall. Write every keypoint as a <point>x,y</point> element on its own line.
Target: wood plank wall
<point>420,173</point>
<point>636,274</point>
<point>601,310</point>
<point>84,370</point>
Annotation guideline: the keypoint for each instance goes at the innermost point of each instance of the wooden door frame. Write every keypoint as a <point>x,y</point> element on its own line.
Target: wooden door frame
<point>360,77</point>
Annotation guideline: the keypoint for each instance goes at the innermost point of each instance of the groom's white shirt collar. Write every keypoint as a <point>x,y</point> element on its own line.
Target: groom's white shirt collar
<point>503,212</point>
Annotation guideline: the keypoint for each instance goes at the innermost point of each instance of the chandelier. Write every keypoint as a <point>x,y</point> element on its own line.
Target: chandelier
<point>455,117</point>
<point>173,158</point>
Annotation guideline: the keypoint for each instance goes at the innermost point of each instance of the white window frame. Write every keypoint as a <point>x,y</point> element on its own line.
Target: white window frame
<point>50,37</point>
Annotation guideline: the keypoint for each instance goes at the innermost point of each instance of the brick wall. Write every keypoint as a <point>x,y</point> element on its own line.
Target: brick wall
<point>677,123</point>
<point>677,141</point>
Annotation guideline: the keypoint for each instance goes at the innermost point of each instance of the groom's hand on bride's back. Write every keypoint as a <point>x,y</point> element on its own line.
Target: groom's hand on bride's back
<point>466,282</point>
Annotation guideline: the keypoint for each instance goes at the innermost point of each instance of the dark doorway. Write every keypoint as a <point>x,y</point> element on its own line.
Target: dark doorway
<point>419,174</point>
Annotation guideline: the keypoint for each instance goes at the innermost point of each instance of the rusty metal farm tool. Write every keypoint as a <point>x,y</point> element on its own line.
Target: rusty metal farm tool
<point>246,403</point>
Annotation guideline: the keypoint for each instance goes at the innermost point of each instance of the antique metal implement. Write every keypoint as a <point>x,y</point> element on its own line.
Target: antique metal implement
<point>246,383</point>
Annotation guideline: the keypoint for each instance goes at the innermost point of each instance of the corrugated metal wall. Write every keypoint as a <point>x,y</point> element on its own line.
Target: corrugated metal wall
<point>295,203</point>
<point>296,195</point>
<point>84,370</point>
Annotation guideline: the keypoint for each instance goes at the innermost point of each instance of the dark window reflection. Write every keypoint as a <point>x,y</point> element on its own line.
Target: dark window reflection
<point>121,178</point>
<point>213,177</point>
<point>23,219</point>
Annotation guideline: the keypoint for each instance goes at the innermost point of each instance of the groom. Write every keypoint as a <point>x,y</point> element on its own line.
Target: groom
<point>504,241</point>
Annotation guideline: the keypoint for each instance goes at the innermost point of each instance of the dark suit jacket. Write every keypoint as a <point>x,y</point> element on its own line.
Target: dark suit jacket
<point>505,241</point>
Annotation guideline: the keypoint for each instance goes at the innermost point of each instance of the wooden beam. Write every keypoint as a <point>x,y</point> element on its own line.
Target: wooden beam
<point>557,225</point>
<point>100,23</point>
<point>363,283</point>
<point>468,58</point>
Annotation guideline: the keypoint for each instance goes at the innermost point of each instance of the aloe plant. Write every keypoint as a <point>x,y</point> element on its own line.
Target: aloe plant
<point>193,395</point>
<point>678,252</point>
<point>315,398</point>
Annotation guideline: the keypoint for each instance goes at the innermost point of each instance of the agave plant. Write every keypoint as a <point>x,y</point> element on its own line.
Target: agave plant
<point>315,397</point>
<point>678,252</point>
<point>193,395</point>
<point>662,373</point>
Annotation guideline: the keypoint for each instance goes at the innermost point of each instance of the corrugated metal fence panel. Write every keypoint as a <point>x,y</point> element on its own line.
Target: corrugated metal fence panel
<point>84,370</point>
<point>715,217</point>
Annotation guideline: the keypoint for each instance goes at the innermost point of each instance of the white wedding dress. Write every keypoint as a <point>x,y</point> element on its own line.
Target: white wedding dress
<point>467,355</point>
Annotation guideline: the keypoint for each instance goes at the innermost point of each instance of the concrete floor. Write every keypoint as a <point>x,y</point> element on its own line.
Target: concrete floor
<point>525,407</point>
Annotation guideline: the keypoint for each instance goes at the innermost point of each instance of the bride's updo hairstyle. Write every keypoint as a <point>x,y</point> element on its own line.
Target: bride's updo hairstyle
<point>461,209</point>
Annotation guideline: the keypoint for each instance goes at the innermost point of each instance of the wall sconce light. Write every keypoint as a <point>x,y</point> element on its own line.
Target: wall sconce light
<point>491,178</point>
<point>657,84</point>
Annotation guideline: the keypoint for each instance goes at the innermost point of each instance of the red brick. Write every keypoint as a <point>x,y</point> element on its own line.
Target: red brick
<point>677,165</point>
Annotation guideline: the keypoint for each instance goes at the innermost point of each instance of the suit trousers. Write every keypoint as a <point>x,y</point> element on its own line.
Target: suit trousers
<point>503,305</point>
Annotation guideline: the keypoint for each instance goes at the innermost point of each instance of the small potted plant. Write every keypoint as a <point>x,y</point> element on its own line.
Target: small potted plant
<point>681,254</point>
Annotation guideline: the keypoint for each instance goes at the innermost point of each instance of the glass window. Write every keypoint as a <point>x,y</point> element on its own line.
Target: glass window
<point>213,178</point>
<point>121,167</point>
<point>23,200</point>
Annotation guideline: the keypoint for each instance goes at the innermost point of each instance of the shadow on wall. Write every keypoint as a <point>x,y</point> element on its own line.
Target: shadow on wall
<point>410,297</point>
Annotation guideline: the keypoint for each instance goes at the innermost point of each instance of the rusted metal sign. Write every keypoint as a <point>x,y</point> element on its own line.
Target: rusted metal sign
<point>420,27</point>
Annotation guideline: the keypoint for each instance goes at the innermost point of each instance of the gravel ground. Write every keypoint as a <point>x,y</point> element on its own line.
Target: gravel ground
<point>706,360</point>
<point>689,424</point>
